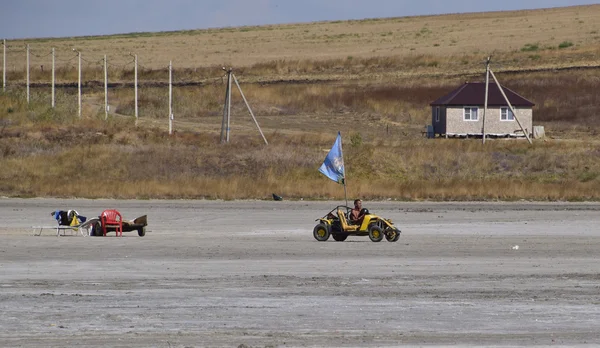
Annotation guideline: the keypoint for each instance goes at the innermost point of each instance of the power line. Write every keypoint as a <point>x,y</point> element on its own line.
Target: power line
<point>14,50</point>
<point>95,63</point>
<point>66,61</point>
<point>119,66</point>
<point>40,56</point>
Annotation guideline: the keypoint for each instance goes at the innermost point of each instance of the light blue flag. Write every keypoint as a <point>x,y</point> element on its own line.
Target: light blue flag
<point>333,166</point>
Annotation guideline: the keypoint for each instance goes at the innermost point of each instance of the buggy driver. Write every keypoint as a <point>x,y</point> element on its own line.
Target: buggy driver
<point>358,213</point>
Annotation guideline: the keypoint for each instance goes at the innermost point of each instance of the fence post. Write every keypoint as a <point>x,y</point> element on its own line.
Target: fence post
<point>136,87</point>
<point>27,73</point>
<point>78,84</point>
<point>4,65</point>
<point>170,97</point>
<point>105,88</point>
<point>53,81</point>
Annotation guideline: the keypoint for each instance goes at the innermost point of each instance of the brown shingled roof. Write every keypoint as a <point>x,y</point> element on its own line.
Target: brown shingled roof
<point>473,93</point>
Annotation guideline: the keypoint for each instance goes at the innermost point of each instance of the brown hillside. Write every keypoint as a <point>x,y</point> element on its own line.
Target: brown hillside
<point>474,34</point>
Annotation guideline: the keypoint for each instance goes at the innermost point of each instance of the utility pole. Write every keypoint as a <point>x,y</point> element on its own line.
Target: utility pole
<point>249,109</point>
<point>3,65</point>
<point>225,121</point>
<point>78,83</point>
<point>105,88</point>
<point>487,88</point>
<point>53,80</point>
<point>27,47</point>
<point>510,106</point>
<point>229,104</point>
<point>227,108</point>
<point>170,97</point>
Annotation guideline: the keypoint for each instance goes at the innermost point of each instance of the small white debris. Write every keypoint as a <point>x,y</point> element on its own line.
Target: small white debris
<point>516,247</point>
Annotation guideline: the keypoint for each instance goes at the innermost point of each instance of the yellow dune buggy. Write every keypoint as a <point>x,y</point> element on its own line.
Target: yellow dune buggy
<point>337,224</point>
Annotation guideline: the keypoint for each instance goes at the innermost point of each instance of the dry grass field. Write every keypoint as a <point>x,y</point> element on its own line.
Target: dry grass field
<point>387,47</point>
<point>371,79</point>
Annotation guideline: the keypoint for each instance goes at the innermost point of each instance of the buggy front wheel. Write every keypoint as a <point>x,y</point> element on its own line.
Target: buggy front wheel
<point>397,236</point>
<point>392,235</point>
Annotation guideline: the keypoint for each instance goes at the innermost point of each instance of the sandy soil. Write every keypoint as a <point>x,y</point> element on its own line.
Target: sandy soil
<point>250,274</point>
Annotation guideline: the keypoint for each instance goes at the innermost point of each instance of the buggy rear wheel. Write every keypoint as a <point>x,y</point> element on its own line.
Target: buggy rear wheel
<point>321,232</point>
<point>339,237</point>
<point>375,233</point>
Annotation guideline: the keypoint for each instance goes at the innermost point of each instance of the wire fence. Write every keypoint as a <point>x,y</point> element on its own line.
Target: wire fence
<point>71,73</point>
<point>120,66</point>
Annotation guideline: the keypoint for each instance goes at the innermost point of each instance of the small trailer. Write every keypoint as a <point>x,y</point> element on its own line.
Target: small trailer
<point>138,224</point>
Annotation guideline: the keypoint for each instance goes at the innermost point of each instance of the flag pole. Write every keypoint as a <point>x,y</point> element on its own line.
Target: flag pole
<point>333,165</point>
<point>345,194</point>
<point>344,179</point>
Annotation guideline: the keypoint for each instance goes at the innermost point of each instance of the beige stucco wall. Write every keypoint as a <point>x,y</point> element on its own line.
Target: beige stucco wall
<point>455,123</point>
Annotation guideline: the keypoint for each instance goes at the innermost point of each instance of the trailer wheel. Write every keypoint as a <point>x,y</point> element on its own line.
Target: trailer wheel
<point>96,230</point>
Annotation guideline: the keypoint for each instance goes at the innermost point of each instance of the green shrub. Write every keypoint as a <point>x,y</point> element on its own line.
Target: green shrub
<point>530,48</point>
<point>356,140</point>
<point>565,44</point>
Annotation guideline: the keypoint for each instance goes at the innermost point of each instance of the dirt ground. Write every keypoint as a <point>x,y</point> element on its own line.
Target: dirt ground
<point>249,273</point>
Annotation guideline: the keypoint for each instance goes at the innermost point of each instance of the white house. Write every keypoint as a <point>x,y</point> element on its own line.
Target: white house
<point>460,112</point>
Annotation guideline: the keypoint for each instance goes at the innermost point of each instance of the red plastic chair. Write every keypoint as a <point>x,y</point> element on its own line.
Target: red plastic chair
<point>112,218</point>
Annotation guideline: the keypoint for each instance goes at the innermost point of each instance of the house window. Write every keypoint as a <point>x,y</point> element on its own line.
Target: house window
<point>470,114</point>
<point>437,114</point>
<point>506,114</point>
